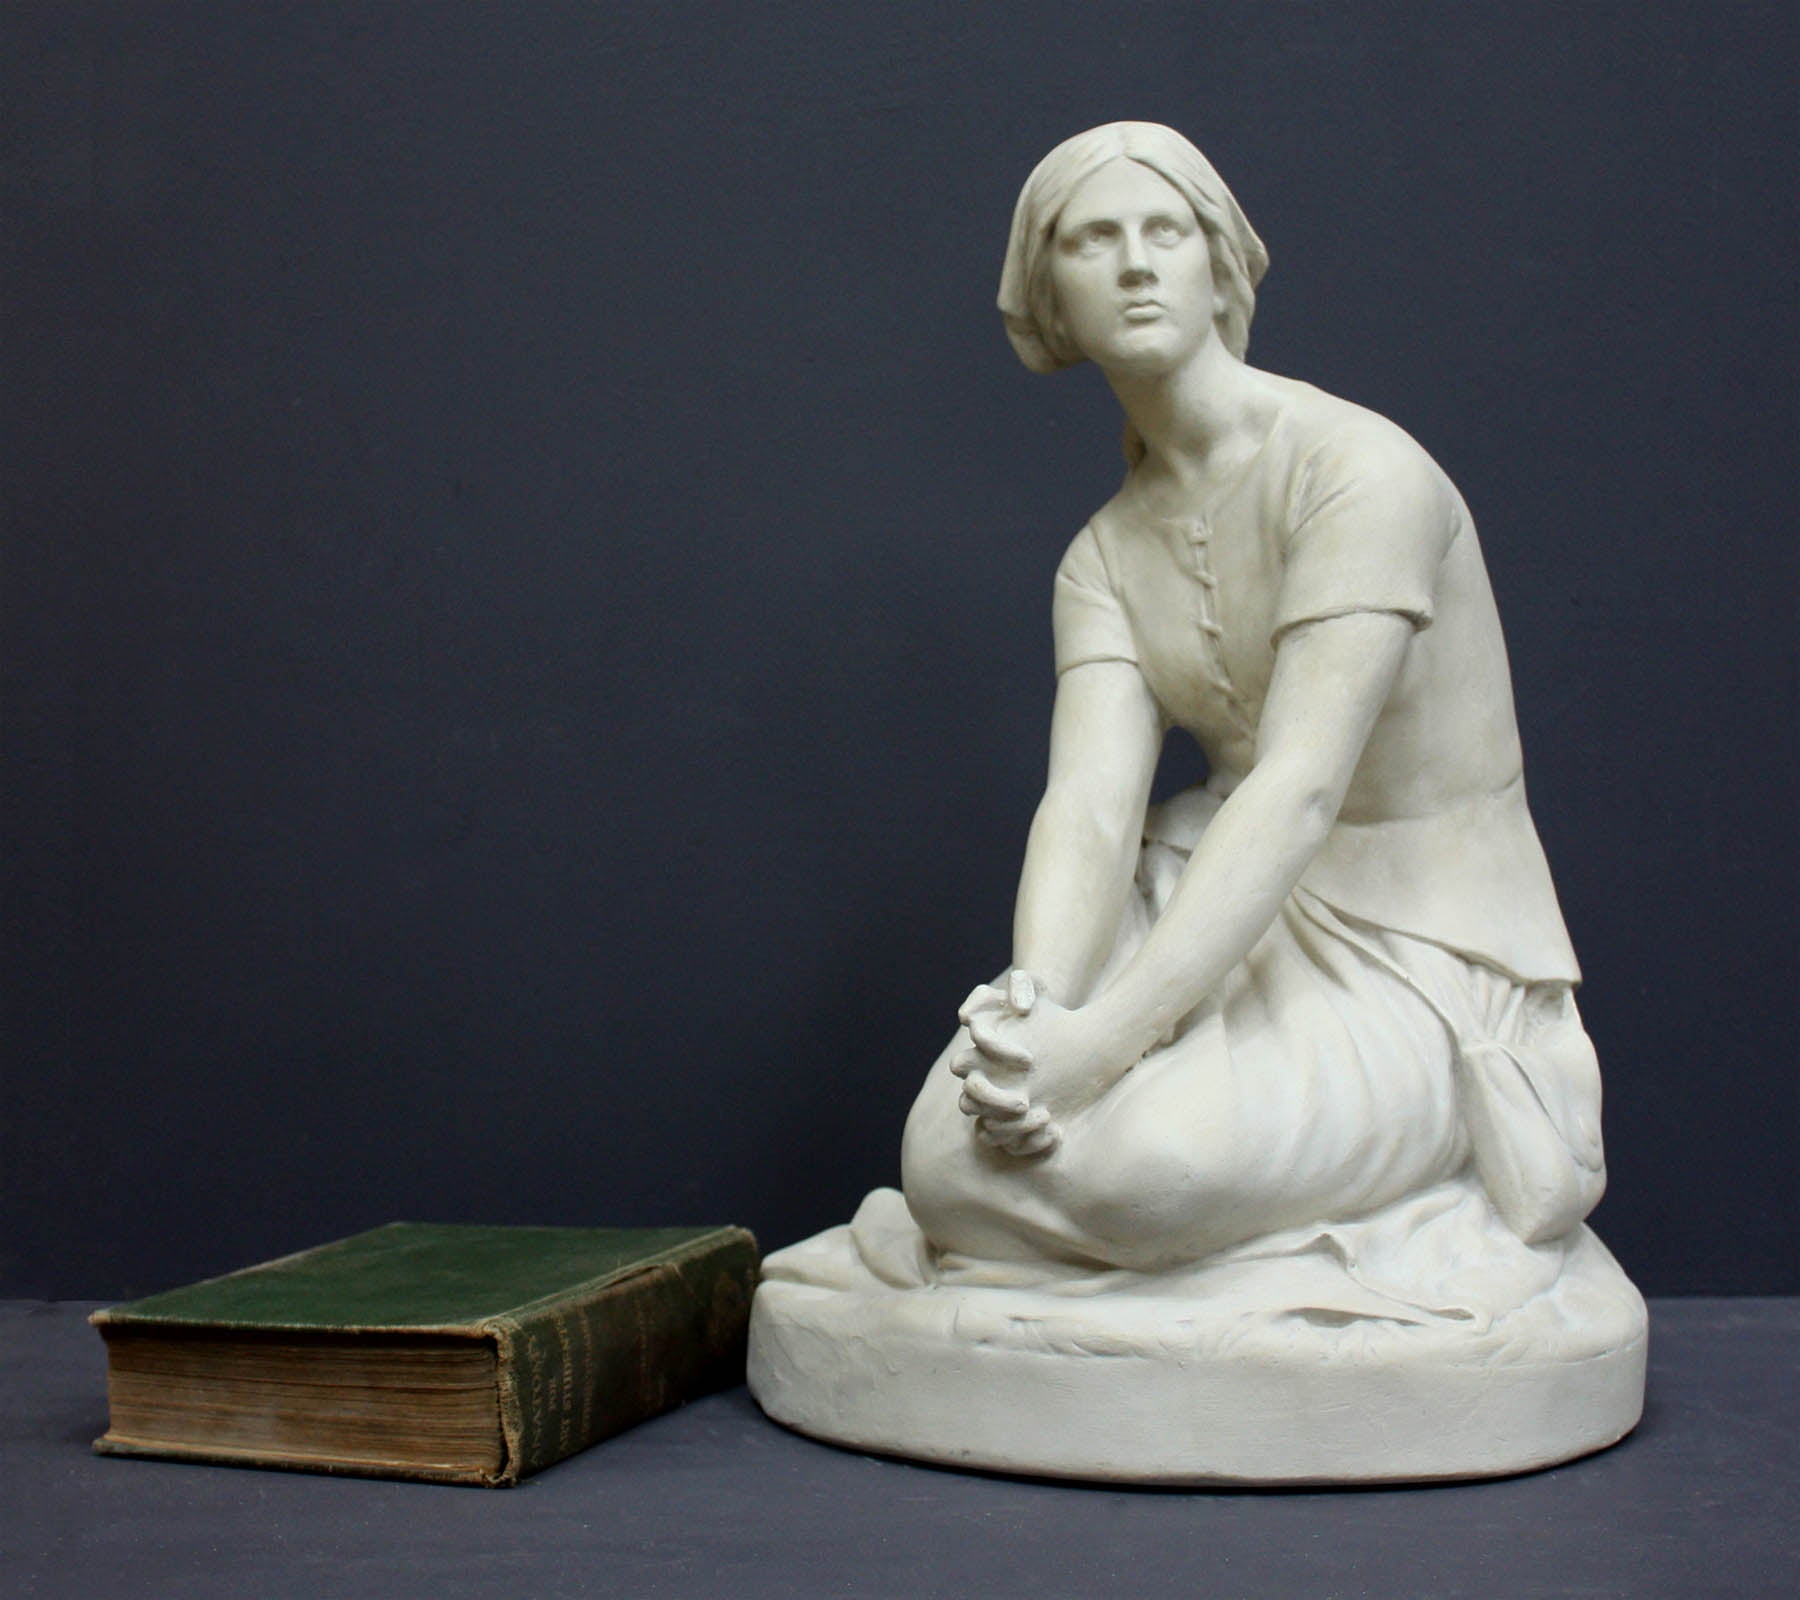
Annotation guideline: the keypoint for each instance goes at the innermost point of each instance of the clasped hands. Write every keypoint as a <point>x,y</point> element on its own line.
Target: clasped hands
<point>1028,1063</point>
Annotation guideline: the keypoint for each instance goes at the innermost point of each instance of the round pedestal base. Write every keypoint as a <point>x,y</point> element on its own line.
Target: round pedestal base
<point>1156,1388</point>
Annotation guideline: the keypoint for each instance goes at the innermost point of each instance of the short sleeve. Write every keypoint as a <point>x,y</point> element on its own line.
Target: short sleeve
<point>1371,520</point>
<point>1088,621</point>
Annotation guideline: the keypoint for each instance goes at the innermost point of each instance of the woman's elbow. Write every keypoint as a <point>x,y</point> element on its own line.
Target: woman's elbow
<point>1102,813</point>
<point>1321,800</point>
<point>1306,799</point>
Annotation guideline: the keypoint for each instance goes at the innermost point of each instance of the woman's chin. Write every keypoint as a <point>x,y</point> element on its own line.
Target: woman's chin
<point>1148,350</point>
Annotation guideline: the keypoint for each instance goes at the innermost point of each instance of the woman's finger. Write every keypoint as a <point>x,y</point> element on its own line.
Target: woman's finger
<point>989,1099</point>
<point>983,997</point>
<point>971,1107</point>
<point>1046,1139</point>
<point>965,1061</point>
<point>1024,1145</point>
<point>995,1048</point>
<point>1021,990</point>
<point>1018,1140</point>
<point>1011,1125</point>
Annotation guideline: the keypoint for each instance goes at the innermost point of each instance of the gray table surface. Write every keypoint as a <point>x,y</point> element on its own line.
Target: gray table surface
<point>714,1500</point>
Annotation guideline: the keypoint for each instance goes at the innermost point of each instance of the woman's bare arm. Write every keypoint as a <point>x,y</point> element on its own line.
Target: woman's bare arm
<point>1331,679</point>
<point>1105,736</point>
<point>1330,682</point>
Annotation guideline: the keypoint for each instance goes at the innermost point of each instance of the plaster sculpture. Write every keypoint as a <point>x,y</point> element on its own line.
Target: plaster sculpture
<point>1268,1158</point>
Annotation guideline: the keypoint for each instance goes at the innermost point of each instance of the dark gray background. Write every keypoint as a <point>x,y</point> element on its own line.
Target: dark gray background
<point>526,652</point>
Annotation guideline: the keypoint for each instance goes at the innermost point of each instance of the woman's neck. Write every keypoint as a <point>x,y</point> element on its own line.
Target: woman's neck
<point>1199,421</point>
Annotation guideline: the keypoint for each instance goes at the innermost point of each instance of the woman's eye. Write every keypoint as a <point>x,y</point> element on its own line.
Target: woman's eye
<point>1164,232</point>
<point>1090,241</point>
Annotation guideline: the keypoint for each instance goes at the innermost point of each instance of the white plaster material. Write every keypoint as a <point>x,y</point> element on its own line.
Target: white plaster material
<point>1267,1159</point>
<point>1240,1370</point>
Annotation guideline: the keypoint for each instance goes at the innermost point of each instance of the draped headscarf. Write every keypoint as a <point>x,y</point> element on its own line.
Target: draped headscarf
<point>1026,298</point>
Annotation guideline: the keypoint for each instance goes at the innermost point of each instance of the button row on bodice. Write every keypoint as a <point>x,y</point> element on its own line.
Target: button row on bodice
<point>1197,534</point>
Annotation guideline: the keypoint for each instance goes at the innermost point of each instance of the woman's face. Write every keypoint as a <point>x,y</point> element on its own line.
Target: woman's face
<point>1131,271</point>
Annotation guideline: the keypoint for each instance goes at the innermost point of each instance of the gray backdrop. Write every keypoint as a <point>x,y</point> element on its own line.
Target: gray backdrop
<point>526,652</point>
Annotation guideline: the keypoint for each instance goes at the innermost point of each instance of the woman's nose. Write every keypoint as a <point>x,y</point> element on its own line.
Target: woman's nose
<point>1134,263</point>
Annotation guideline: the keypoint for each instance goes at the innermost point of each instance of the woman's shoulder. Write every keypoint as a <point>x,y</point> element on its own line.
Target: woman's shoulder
<point>1339,455</point>
<point>1084,562</point>
<point>1326,430</point>
<point>1107,523</point>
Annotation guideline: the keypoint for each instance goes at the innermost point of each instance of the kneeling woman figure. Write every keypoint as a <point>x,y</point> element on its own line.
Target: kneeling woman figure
<point>1336,975</point>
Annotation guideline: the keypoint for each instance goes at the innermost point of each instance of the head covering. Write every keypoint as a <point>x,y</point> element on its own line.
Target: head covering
<point>1239,259</point>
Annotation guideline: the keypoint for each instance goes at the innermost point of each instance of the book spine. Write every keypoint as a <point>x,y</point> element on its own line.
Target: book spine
<point>579,1368</point>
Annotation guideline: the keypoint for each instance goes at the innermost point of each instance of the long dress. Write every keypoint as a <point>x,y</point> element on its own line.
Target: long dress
<point>1401,1048</point>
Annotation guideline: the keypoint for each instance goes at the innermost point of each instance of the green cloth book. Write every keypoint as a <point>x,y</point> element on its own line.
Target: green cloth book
<point>445,1352</point>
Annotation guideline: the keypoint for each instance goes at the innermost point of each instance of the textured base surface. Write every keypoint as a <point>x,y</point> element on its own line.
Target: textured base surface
<point>1167,1388</point>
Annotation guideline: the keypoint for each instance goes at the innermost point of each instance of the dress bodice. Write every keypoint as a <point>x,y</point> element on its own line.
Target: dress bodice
<point>1339,512</point>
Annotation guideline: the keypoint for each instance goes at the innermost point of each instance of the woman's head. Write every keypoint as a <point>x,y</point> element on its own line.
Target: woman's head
<point>1034,321</point>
